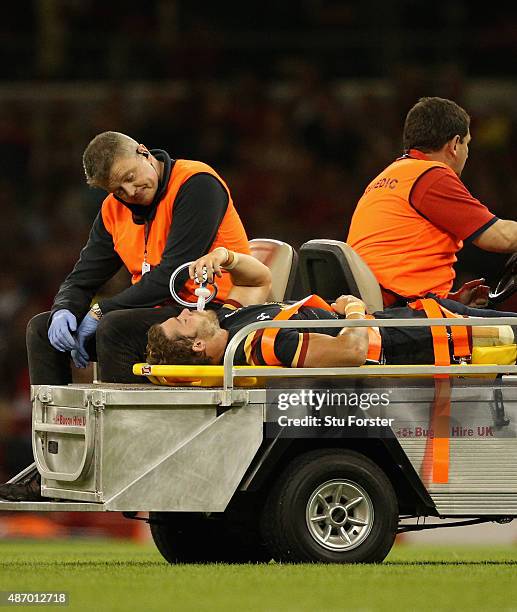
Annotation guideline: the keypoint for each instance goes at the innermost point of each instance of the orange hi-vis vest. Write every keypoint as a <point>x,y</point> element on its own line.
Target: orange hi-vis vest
<point>129,238</point>
<point>409,255</point>
<point>267,342</point>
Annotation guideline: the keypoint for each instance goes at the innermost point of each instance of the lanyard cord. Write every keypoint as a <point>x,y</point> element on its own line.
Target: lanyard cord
<point>147,229</point>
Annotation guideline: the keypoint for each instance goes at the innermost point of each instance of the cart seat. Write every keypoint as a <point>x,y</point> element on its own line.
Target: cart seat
<point>331,268</point>
<point>282,260</point>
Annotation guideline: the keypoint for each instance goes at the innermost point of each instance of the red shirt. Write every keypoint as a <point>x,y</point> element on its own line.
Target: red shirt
<point>445,201</point>
<point>410,223</point>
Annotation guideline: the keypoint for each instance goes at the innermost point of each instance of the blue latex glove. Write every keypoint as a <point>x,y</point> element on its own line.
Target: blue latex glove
<point>86,329</point>
<point>62,326</point>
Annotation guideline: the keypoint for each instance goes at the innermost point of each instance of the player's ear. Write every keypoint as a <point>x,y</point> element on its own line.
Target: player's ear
<point>199,345</point>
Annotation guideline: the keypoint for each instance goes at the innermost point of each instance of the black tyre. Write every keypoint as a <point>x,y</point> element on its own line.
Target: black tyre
<point>332,506</point>
<point>185,537</point>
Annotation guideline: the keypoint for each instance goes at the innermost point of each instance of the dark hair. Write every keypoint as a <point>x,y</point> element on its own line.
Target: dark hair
<point>102,151</point>
<point>162,350</point>
<point>432,122</point>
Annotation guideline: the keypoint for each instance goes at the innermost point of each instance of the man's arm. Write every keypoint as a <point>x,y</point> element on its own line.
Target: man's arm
<point>501,237</point>
<point>444,200</point>
<point>251,278</point>
<point>97,263</point>
<point>441,198</point>
<point>349,348</point>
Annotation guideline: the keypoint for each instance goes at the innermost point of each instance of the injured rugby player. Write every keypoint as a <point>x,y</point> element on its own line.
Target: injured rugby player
<point>201,337</point>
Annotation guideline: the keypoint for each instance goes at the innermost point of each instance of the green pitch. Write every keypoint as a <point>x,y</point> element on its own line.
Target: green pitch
<point>111,575</point>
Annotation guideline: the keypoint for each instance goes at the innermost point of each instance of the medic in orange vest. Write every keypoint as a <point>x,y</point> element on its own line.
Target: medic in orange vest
<point>159,214</point>
<point>414,216</point>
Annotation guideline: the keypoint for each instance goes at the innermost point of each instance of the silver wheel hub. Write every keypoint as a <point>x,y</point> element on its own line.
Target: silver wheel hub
<point>339,515</point>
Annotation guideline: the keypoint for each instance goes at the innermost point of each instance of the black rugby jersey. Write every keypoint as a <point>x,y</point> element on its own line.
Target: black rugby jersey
<point>403,345</point>
<point>290,344</point>
<point>400,345</point>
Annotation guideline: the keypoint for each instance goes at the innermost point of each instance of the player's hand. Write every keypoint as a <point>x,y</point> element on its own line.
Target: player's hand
<point>86,329</point>
<point>343,301</point>
<point>61,328</point>
<point>473,294</point>
<point>208,266</point>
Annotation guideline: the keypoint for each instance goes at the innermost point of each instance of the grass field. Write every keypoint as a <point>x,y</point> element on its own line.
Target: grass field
<point>115,575</point>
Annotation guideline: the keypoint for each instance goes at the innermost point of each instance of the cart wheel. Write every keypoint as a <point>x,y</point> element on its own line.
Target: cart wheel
<point>332,505</point>
<point>185,537</point>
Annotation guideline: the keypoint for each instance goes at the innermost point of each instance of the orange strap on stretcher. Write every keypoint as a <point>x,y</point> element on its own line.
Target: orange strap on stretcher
<point>267,343</point>
<point>374,342</point>
<point>437,448</point>
<point>460,337</point>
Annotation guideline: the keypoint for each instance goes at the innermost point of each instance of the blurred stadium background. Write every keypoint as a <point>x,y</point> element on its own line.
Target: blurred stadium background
<point>297,104</point>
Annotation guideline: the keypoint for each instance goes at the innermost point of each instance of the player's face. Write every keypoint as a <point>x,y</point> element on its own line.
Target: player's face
<point>134,179</point>
<point>192,324</point>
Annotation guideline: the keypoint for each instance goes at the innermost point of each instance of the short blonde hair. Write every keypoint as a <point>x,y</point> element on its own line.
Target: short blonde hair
<point>102,151</point>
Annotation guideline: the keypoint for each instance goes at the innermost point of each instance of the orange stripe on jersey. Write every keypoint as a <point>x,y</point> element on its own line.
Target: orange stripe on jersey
<point>294,362</point>
<point>232,304</point>
<point>301,353</point>
<point>247,348</point>
<point>257,358</point>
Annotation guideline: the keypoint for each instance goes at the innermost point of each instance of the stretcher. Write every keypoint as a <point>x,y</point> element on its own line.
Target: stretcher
<point>203,450</point>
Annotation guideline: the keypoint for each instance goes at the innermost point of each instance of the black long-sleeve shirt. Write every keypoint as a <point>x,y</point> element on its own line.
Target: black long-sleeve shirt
<point>199,208</point>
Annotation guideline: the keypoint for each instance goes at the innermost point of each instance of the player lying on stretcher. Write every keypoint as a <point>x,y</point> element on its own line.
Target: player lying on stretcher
<point>201,337</point>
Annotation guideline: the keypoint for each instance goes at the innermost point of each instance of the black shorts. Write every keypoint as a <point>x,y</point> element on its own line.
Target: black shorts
<point>414,345</point>
<point>406,345</point>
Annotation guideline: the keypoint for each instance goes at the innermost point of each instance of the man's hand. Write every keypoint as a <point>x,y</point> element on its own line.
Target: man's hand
<point>212,262</point>
<point>86,329</point>
<point>61,328</point>
<point>347,304</point>
<point>473,294</point>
